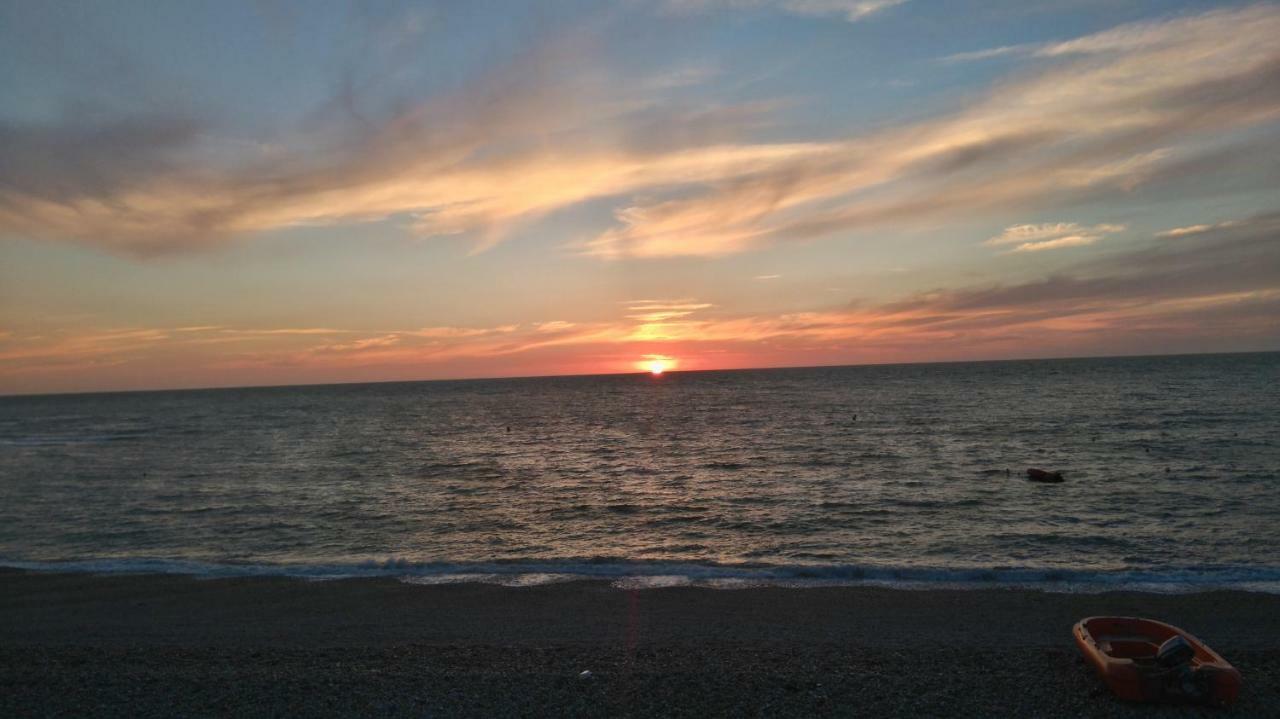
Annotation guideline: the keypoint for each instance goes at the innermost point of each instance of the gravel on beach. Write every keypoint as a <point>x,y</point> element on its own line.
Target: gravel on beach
<point>79,645</point>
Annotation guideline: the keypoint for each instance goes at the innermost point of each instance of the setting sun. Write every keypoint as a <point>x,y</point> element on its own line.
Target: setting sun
<point>657,365</point>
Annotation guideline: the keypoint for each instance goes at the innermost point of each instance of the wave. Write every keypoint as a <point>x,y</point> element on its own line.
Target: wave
<point>58,440</point>
<point>656,573</point>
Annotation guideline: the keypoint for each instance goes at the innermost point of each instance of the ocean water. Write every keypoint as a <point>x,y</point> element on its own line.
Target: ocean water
<point>912,475</point>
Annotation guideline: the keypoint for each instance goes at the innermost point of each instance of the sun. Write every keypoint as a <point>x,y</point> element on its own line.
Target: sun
<point>656,365</point>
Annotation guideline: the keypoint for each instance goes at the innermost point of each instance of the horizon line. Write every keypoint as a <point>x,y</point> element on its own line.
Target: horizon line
<point>216,388</point>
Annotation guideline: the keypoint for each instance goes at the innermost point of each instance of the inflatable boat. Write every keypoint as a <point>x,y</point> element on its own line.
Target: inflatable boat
<point>1150,661</point>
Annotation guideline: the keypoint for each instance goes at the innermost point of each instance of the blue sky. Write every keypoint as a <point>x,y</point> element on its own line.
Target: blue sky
<point>197,194</point>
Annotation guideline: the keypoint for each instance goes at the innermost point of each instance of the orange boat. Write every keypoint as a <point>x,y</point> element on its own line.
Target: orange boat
<point>1146,660</point>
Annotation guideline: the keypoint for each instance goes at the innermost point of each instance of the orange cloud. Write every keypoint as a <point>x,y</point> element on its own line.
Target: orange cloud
<point>1219,286</point>
<point>1102,113</point>
<point>1195,229</point>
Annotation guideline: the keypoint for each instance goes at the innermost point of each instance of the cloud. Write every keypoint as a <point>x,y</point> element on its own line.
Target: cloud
<point>523,140</point>
<point>95,347</point>
<point>1196,229</point>
<point>1051,235</point>
<point>1180,231</point>
<point>850,10</point>
<point>283,331</point>
<point>1144,35</point>
<point>1166,34</point>
<point>359,345</point>
<point>1018,234</point>
<point>1113,113</point>
<point>664,310</point>
<point>987,53</point>
<point>1117,111</point>
<point>453,333</point>
<point>554,326</point>
<point>401,169</point>
<point>1056,243</point>
<point>1215,290</point>
<point>679,77</point>
<point>687,303</point>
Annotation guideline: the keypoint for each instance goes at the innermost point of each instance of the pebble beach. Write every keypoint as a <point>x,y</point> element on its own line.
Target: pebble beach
<point>159,645</point>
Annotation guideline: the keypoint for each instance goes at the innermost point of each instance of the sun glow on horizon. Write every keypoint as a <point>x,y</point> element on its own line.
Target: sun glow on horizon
<point>656,364</point>
<point>591,190</point>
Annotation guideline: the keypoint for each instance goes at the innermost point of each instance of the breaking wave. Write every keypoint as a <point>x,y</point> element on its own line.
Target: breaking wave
<point>658,574</point>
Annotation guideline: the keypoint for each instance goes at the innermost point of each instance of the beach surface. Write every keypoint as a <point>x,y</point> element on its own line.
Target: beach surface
<point>160,645</point>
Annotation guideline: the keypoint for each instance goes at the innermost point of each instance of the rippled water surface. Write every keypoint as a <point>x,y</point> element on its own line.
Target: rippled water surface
<point>1171,467</point>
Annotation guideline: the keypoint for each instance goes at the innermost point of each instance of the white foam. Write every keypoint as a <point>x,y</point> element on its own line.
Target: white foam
<point>654,575</point>
<point>653,582</point>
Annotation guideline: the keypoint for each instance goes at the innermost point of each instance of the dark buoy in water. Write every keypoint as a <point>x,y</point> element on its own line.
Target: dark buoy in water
<point>1040,475</point>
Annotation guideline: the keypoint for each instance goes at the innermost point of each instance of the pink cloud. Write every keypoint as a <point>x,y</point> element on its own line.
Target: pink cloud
<point>1216,289</point>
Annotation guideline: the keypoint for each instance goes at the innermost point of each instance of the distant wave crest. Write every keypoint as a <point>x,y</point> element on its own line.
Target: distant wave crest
<point>657,574</point>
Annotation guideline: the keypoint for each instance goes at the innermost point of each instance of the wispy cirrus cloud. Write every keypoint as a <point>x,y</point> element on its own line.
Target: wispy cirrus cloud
<point>1196,229</point>
<point>1109,112</point>
<point>1114,112</point>
<point>664,310</point>
<point>987,53</point>
<point>850,10</point>
<point>1148,34</point>
<point>540,133</point>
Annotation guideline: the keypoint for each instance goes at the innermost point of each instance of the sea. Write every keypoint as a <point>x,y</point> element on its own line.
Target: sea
<point>895,475</point>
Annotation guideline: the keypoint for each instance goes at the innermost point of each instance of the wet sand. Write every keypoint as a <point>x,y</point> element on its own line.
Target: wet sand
<point>165,646</point>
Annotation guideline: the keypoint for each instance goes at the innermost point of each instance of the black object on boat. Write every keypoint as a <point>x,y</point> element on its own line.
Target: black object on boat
<point>1040,475</point>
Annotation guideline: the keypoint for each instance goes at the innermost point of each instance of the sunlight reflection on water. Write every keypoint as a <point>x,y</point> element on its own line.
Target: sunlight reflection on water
<point>1171,463</point>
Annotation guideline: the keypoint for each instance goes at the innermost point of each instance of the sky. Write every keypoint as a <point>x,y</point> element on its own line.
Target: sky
<point>199,194</point>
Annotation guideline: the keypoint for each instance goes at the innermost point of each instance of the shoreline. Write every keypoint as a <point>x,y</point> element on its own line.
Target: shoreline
<point>163,644</point>
<point>655,574</point>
